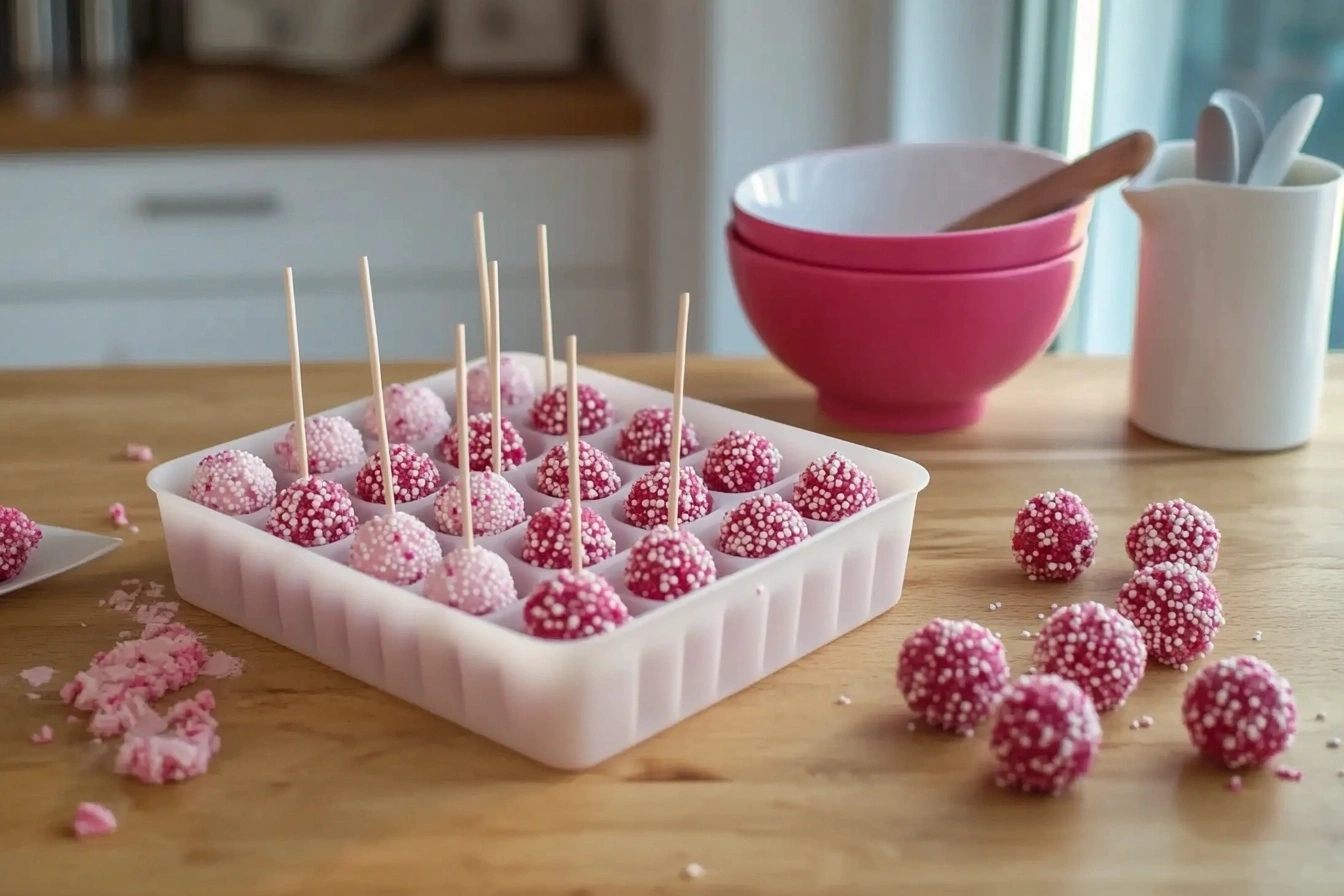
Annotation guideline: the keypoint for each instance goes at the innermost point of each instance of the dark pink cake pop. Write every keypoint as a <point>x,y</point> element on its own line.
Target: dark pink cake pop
<point>646,438</point>
<point>1096,648</point>
<point>951,673</point>
<point>546,542</point>
<point>597,477</point>
<point>1239,712</point>
<point>761,526</point>
<point>19,537</point>
<point>666,565</point>
<point>1175,531</point>
<point>414,476</point>
<point>573,605</point>
<point>742,461</point>
<point>1046,733</point>
<point>233,482</point>
<point>646,502</point>
<point>833,488</point>
<point>333,443</point>
<point>312,512</point>
<point>1177,609</point>
<point>550,412</point>
<point>480,446</point>
<point>1054,537</point>
<point>496,506</point>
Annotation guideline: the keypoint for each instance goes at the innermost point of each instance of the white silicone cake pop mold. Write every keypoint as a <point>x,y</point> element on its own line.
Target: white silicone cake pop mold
<point>567,704</point>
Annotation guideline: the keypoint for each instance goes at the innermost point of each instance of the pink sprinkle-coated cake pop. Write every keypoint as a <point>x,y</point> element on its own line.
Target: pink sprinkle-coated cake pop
<point>1239,712</point>
<point>19,537</point>
<point>413,413</point>
<point>396,548</point>
<point>550,415</point>
<point>333,443</point>
<point>646,438</point>
<point>646,502</point>
<point>1177,531</point>
<point>496,506</point>
<point>233,482</point>
<point>312,512</point>
<point>480,447</point>
<point>1096,648</point>
<point>473,580</point>
<point>1177,609</point>
<point>1046,733</point>
<point>597,477</point>
<point>414,476</point>
<point>1054,537</point>
<point>952,673</point>
<point>546,543</point>
<point>515,385</point>
<point>761,526</point>
<point>573,605</point>
<point>742,461</point>
<point>833,488</point>
<point>666,565</point>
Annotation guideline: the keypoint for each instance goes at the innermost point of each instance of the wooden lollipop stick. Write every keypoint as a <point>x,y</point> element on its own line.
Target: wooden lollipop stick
<point>544,272</point>
<point>296,377</point>
<point>376,368</point>
<point>493,354</point>
<point>678,387</point>
<point>463,442</point>
<point>575,499</point>
<point>483,275</point>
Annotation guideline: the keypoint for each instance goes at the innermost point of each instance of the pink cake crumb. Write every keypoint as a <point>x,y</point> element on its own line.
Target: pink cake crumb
<point>1235,784</point>
<point>1287,773</point>
<point>139,452</point>
<point>44,735</point>
<point>33,695</point>
<point>182,750</point>
<point>162,611</point>
<point>37,675</point>
<point>93,819</point>
<point>123,599</point>
<point>222,665</point>
<point>117,514</point>
<point>70,720</point>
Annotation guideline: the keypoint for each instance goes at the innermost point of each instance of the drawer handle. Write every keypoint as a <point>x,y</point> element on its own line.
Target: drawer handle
<point>246,205</point>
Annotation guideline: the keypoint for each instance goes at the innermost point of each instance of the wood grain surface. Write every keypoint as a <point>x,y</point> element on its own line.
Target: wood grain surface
<point>325,786</point>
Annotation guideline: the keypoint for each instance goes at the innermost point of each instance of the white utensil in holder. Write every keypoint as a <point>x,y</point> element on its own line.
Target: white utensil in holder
<point>511,36</point>
<point>1233,314</point>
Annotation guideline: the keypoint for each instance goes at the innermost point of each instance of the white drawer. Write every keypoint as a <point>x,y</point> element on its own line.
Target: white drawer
<point>137,218</point>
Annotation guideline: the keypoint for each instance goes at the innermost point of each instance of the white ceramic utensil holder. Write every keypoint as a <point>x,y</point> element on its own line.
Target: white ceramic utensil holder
<point>1233,314</point>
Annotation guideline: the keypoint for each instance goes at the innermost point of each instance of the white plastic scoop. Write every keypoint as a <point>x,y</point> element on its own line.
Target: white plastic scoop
<point>1283,144</point>
<point>1247,125</point>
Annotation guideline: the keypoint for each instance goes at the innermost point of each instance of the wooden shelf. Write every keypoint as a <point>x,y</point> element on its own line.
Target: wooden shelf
<point>169,105</point>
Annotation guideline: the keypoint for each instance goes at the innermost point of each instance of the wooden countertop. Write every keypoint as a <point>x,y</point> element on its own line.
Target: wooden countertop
<point>171,105</point>
<point>325,786</point>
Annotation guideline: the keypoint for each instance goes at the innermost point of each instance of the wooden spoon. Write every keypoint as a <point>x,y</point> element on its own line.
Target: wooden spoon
<point>1124,157</point>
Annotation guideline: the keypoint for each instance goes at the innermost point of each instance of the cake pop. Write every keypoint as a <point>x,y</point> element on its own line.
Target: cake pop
<point>742,461</point>
<point>546,540</point>
<point>412,413</point>
<point>311,512</point>
<point>597,477</point>
<point>646,504</point>
<point>480,449</point>
<point>573,605</point>
<point>646,438</point>
<point>19,537</point>
<point>333,444</point>
<point>496,506</point>
<point>1177,609</point>
<point>548,411</point>
<point>761,526</point>
<point>833,488</point>
<point>413,474</point>
<point>1175,531</point>
<point>951,674</point>
<point>515,386</point>
<point>1096,648</point>
<point>1046,733</point>
<point>1054,537</point>
<point>234,482</point>
<point>1239,712</point>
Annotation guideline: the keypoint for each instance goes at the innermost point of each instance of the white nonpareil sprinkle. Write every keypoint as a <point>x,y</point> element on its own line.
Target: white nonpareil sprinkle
<point>1333,743</point>
<point>1256,636</point>
<point>1183,667</point>
<point>1025,633</point>
<point>999,636</point>
<point>693,871</point>
<point>1040,615</point>
<point>1054,606</point>
<point>843,700</point>
<point>910,726</point>
<point>1320,717</point>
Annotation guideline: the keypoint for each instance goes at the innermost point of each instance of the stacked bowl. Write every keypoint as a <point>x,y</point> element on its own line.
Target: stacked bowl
<point>843,272</point>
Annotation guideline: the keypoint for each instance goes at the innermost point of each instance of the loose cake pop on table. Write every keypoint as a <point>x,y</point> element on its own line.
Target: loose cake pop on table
<point>1176,531</point>
<point>761,526</point>
<point>576,603</point>
<point>597,477</point>
<point>411,413</point>
<point>670,562</point>
<point>1046,733</point>
<point>19,537</point>
<point>833,488</point>
<point>471,578</point>
<point>647,502</point>
<point>233,482</point>
<point>646,438</point>
<point>395,547</point>
<point>333,444</point>
<point>1176,608</point>
<point>742,461</point>
<point>1239,712</point>
<point>1054,537</point>
<point>414,475</point>
<point>952,673</point>
<point>1096,648</point>
<point>310,511</point>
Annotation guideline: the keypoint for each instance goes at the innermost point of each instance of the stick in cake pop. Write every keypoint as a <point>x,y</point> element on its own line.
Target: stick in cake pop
<point>483,275</point>
<point>464,473</point>
<point>575,498</point>
<point>678,384</point>
<point>544,273</point>
<point>493,354</point>
<point>395,547</point>
<point>296,378</point>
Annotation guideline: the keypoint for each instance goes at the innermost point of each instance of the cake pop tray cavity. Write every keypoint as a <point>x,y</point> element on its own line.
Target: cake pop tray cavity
<point>566,704</point>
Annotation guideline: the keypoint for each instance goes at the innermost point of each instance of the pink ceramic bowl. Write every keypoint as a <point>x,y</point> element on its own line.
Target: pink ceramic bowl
<point>903,352</point>
<point>879,207</point>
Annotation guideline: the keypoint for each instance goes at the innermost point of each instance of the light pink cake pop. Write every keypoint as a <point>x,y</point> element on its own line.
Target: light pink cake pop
<point>395,548</point>
<point>496,506</point>
<point>233,482</point>
<point>473,580</point>
<point>515,385</point>
<point>413,413</point>
<point>333,443</point>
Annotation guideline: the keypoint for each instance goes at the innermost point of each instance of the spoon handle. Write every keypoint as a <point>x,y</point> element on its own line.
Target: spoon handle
<point>1123,157</point>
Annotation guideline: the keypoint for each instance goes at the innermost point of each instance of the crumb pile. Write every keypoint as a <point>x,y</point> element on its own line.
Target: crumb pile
<point>742,461</point>
<point>413,413</point>
<point>833,488</point>
<point>952,673</point>
<point>1054,537</point>
<point>760,527</point>
<point>646,438</point>
<point>666,565</point>
<point>333,443</point>
<point>1174,531</point>
<point>646,502</point>
<point>597,477</point>
<point>546,542</point>
<point>573,606</point>
<point>19,537</point>
<point>414,476</point>
<point>480,444</point>
<point>496,506</point>
<point>233,482</point>
<point>550,412</point>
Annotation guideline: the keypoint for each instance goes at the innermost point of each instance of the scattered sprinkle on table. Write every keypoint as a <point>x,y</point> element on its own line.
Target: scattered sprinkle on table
<point>93,819</point>
<point>117,514</point>
<point>1320,717</point>
<point>843,700</point>
<point>1333,743</point>
<point>1141,722</point>
<point>139,452</point>
<point>1234,784</point>
<point>910,726</point>
<point>37,675</point>
<point>693,871</point>
<point>1287,773</point>
<point>1256,636</point>
<point>44,735</point>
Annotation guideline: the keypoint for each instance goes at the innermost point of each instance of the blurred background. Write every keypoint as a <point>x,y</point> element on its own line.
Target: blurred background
<point>161,161</point>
